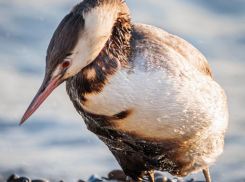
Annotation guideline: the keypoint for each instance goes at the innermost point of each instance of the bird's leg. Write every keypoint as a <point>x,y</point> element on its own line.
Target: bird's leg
<point>206,174</point>
<point>128,179</point>
<point>150,175</point>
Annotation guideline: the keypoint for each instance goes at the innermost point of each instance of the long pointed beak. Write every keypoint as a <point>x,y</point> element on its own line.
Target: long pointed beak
<point>44,91</point>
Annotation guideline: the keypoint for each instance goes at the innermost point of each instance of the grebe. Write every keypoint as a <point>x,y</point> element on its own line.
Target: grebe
<point>148,95</point>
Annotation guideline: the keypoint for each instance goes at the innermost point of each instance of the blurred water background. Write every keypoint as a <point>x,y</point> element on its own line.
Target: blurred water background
<point>54,143</point>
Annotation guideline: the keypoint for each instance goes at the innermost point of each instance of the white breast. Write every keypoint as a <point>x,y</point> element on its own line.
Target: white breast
<point>163,106</point>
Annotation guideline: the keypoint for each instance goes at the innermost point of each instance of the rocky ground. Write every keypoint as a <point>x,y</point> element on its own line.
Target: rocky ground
<point>113,176</point>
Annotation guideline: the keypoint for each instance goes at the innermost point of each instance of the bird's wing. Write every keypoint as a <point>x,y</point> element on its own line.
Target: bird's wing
<point>173,43</point>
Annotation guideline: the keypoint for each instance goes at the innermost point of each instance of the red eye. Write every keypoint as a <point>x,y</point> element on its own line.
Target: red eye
<point>66,63</point>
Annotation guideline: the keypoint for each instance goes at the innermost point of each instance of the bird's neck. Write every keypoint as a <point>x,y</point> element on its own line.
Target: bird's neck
<point>109,29</point>
<point>113,57</point>
<point>118,45</point>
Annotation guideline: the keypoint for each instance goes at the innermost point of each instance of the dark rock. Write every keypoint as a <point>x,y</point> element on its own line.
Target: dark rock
<point>40,180</point>
<point>113,176</point>
<point>21,179</point>
<point>17,178</point>
<point>13,177</point>
<point>117,175</point>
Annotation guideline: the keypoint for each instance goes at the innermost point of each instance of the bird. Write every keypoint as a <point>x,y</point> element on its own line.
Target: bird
<point>150,96</point>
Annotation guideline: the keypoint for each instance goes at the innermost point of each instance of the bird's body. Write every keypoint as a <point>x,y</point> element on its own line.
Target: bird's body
<point>148,95</point>
<point>161,107</point>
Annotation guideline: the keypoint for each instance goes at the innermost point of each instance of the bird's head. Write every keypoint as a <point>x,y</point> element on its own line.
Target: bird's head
<point>77,41</point>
